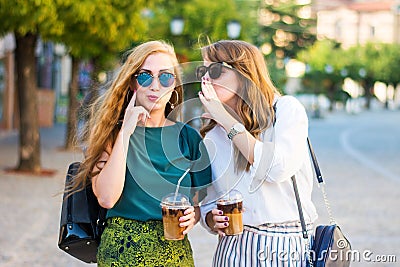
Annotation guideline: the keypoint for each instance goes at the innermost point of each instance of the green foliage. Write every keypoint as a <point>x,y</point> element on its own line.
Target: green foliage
<point>325,61</point>
<point>386,67</point>
<point>328,65</point>
<point>362,58</point>
<point>287,26</point>
<point>100,28</point>
<point>90,28</point>
<point>325,70</point>
<point>380,62</point>
<point>29,16</point>
<point>203,18</point>
<point>321,54</point>
<point>277,74</point>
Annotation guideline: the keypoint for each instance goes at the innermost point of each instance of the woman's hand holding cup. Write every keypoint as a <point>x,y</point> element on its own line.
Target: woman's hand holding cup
<point>220,221</point>
<point>188,220</point>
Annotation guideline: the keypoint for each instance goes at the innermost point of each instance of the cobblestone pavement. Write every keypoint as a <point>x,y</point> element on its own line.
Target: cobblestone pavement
<point>359,156</point>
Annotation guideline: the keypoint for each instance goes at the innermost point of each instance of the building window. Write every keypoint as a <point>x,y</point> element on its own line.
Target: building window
<point>372,31</point>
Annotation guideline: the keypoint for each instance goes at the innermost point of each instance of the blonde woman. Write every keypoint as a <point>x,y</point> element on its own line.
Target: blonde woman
<point>256,155</point>
<point>136,152</point>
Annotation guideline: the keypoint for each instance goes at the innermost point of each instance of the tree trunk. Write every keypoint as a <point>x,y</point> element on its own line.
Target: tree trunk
<point>29,136</point>
<point>386,104</point>
<point>95,85</point>
<point>331,96</point>
<point>72,122</point>
<point>368,87</point>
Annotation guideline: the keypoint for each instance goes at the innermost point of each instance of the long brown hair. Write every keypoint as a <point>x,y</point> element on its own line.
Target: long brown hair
<point>255,91</point>
<point>108,110</point>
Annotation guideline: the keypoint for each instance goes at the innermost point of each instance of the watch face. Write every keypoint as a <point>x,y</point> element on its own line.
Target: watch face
<point>239,127</point>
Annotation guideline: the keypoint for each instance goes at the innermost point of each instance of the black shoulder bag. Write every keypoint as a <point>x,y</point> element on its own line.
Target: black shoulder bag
<point>82,221</point>
<point>330,247</point>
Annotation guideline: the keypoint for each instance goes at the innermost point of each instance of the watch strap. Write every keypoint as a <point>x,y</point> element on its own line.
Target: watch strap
<point>232,133</point>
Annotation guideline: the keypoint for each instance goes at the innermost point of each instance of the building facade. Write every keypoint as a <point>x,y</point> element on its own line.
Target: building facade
<point>352,22</point>
<point>356,22</point>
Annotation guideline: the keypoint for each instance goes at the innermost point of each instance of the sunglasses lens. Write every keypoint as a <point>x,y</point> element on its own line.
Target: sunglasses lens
<point>166,79</point>
<point>144,79</point>
<point>200,72</point>
<point>215,70</point>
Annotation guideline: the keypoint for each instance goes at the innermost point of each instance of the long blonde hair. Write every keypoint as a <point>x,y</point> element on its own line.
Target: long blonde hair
<point>255,91</point>
<point>108,110</point>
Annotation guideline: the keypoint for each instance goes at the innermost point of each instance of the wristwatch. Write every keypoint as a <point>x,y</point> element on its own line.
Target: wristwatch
<point>237,128</point>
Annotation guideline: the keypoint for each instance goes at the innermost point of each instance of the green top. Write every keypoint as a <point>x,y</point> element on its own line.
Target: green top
<point>157,158</point>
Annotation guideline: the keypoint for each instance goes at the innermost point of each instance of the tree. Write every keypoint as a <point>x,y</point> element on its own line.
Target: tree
<point>27,19</point>
<point>286,27</point>
<point>324,73</point>
<point>387,67</point>
<point>365,64</point>
<point>373,62</point>
<point>201,18</point>
<point>358,59</point>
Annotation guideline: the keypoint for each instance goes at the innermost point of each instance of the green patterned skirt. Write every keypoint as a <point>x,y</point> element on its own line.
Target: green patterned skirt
<point>127,242</point>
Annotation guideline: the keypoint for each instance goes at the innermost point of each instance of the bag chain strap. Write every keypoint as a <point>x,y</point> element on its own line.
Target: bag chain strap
<point>321,185</point>
<point>327,204</point>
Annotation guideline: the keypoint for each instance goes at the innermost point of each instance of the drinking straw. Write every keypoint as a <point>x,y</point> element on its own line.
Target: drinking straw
<point>179,182</point>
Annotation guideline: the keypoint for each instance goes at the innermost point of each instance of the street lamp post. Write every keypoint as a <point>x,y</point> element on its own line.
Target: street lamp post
<point>59,52</point>
<point>233,28</point>
<point>330,83</point>
<point>176,25</point>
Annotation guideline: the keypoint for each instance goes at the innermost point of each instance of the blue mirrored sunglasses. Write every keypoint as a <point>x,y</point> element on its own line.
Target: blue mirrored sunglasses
<point>145,79</point>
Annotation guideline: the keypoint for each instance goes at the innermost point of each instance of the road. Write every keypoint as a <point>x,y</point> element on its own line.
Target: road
<point>360,159</point>
<point>359,156</point>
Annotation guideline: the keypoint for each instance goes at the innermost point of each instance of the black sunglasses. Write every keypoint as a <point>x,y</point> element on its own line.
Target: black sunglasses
<point>145,79</point>
<point>214,70</point>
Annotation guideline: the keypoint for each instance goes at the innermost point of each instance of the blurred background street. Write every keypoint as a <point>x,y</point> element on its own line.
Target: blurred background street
<point>358,154</point>
<point>340,58</point>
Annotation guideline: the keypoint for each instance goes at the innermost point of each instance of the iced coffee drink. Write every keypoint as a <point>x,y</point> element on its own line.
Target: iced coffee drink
<point>232,206</point>
<point>173,207</point>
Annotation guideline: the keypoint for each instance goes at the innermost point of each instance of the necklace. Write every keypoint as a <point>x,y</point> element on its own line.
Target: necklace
<point>162,123</point>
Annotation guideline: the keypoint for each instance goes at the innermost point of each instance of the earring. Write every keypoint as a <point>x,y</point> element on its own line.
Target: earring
<point>176,101</point>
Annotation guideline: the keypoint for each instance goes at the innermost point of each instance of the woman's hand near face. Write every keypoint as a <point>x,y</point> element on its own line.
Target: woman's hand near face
<point>133,114</point>
<point>213,106</point>
<point>217,111</point>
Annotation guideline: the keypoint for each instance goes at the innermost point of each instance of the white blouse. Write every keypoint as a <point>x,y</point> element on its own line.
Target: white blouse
<point>267,189</point>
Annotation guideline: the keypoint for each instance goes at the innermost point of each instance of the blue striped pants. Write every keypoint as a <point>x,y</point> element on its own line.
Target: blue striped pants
<point>268,245</point>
